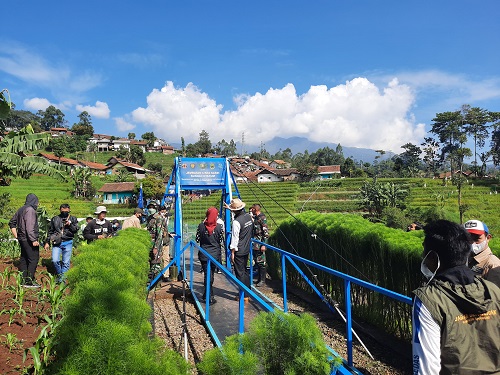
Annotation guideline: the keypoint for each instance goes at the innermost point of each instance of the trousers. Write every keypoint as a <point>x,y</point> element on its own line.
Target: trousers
<point>61,256</point>
<point>29,260</point>
<point>240,268</point>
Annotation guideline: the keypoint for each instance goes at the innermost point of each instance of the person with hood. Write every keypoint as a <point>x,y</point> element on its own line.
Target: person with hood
<point>456,315</point>
<point>241,235</point>
<point>210,236</point>
<point>62,230</point>
<point>24,227</point>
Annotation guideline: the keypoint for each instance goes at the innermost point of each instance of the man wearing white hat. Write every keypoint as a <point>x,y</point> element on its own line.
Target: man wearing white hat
<point>241,235</point>
<point>99,227</point>
<point>482,261</point>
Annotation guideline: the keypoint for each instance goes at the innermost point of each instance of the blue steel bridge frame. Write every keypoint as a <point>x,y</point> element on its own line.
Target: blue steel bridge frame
<point>223,182</point>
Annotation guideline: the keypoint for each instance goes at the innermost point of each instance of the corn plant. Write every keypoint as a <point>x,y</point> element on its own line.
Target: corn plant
<point>53,293</point>
<point>12,313</point>
<point>37,362</point>
<point>11,340</point>
<point>6,275</point>
<point>20,293</point>
<point>44,345</point>
<point>9,247</point>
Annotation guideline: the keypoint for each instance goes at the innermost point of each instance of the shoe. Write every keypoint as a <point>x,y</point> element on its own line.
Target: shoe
<point>166,279</point>
<point>258,284</point>
<point>238,298</point>
<point>212,301</point>
<point>219,271</point>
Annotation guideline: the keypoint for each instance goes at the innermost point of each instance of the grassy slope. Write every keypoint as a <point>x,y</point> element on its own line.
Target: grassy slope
<point>281,199</point>
<point>52,193</point>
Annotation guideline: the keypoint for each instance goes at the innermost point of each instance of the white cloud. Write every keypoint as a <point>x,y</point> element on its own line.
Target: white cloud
<point>459,88</point>
<point>35,104</point>
<point>123,125</point>
<point>356,113</point>
<point>100,110</point>
<point>33,69</point>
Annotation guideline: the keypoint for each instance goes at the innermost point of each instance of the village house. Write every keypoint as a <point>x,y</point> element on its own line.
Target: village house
<point>97,168</point>
<point>115,164</point>
<point>51,158</point>
<point>117,192</point>
<point>279,164</point>
<point>58,132</point>
<point>326,172</point>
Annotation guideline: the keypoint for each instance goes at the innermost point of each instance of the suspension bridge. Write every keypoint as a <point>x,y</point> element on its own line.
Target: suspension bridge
<point>231,314</point>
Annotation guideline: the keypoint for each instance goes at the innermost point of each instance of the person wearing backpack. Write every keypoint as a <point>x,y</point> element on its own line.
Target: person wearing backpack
<point>62,230</point>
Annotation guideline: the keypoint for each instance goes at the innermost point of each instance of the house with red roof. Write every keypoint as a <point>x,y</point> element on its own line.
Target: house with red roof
<point>115,164</point>
<point>117,192</point>
<point>326,172</point>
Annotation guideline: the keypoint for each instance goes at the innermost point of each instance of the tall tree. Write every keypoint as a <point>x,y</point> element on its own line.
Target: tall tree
<point>431,155</point>
<point>58,146</point>
<point>131,136</point>
<point>475,124</point>
<point>204,146</point>
<point>84,126</point>
<point>52,117</point>
<point>495,138</point>
<point>408,162</point>
<point>225,148</point>
<point>448,127</point>
<point>150,138</point>
<point>19,119</point>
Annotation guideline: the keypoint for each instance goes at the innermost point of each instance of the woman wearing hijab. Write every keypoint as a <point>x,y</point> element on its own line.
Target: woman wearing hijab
<point>210,236</point>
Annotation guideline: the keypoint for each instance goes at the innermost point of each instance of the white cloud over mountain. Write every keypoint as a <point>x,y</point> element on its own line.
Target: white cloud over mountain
<point>356,113</point>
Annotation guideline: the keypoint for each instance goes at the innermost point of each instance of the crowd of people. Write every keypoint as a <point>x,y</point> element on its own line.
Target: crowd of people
<point>456,314</point>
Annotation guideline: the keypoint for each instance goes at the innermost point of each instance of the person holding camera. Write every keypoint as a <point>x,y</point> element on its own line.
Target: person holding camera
<point>62,230</point>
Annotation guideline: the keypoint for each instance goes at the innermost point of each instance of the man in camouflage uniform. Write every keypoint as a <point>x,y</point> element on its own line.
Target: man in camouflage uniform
<point>160,237</point>
<point>261,233</point>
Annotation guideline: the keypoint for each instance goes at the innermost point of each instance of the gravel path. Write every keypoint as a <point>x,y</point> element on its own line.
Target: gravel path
<point>393,358</point>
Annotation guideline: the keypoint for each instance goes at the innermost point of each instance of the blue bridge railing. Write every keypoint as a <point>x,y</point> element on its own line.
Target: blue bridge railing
<point>292,259</point>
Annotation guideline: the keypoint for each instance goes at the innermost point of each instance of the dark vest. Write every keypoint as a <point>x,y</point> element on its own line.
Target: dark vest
<point>210,243</point>
<point>246,230</point>
<point>469,317</point>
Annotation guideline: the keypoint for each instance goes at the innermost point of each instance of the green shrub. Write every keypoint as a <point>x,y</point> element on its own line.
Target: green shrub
<point>350,244</point>
<point>105,327</point>
<point>276,343</point>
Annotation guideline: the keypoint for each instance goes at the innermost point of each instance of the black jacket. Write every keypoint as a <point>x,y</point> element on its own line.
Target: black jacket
<point>25,220</point>
<point>94,229</point>
<point>57,225</point>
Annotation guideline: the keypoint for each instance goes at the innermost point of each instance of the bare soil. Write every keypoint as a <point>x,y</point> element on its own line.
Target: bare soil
<point>22,331</point>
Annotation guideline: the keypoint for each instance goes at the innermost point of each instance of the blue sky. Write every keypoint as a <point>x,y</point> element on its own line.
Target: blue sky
<point>363,73</point>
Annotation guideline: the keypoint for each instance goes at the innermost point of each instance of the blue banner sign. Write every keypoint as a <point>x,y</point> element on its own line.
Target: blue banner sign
<point>202,171</point>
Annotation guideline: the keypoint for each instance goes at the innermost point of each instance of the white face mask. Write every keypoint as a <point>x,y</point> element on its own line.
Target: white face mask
<point>426,271</point>
<point>479,247</point>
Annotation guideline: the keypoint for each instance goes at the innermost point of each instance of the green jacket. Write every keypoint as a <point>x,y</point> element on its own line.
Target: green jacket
<point>469,317</point>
